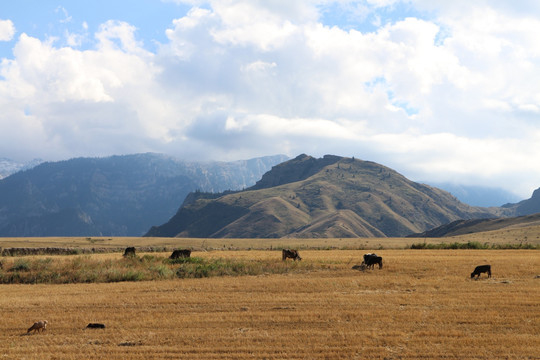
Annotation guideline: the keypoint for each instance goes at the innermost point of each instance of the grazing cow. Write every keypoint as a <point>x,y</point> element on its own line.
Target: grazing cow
<point>184,253</point>
<point>38,326</point>
<point>130,251</point>
<point>371,259</point>
<point>481,269</point>
<point>95,326</point>
<point>293,254</point>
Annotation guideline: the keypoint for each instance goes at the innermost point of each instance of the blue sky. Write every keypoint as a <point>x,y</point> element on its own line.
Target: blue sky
<point>45,19</point>
<point>438,90</point>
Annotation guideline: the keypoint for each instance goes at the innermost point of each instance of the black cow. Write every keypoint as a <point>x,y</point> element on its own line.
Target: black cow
<point>130,251</point>
<point>183,253</point>
<point>95,326</point>
<point>293,254</point>
<point>481,269</point>
<point>371,259</point>
<point>368,256</point>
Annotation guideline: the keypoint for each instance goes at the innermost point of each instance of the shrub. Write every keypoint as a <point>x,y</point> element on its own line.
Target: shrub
<point>85,269</point>
<point>189,260</point>
<point>132,275</point>
<point>147,258</point>
<point>21,265</point>
<point>163,271</point>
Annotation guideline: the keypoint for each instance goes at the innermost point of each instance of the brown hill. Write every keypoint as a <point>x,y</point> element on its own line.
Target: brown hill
<point>464,227</point>
<point>327,197</point>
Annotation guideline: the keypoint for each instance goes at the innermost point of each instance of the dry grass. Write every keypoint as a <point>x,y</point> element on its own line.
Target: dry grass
<point>513,236</point>
<point>422,304</point>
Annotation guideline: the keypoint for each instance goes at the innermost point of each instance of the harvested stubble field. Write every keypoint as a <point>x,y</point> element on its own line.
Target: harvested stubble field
<point>421,305</point>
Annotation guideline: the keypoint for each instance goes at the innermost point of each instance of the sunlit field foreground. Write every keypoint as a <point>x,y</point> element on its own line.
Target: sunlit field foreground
<point>421,305</point>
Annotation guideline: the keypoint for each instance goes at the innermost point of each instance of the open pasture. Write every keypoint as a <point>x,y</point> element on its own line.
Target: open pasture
<point>422,304</point>
<point>511,236</point>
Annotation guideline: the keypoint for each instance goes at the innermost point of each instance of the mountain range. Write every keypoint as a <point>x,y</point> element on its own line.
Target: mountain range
<point>263,197</point>
<point>328,197</point>
<point>113,196</point>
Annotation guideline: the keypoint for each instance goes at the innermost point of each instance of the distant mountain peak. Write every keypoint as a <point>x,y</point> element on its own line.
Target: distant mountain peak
<point>328,197</point>
<point>299,168</point>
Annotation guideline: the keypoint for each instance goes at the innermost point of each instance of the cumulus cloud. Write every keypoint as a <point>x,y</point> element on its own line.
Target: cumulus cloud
<point>7,30</point>
<point>449,95</point>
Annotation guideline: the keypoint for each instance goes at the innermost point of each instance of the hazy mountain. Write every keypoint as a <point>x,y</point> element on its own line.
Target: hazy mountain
<point>112,196</point>
<point>478,195</point>
<point>8,166</point>
<point>328,197</point>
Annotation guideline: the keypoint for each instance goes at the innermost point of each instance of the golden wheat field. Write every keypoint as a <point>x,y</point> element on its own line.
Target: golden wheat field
<point>421,305</point>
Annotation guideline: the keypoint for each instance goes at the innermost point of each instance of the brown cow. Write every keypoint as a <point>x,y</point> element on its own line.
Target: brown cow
<point>184,253</point>
<point>38,326</point>
<point>293,254</point>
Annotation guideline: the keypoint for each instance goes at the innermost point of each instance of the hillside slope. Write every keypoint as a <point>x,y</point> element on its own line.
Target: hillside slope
<point>328,197</point>
<point>112,196</point>
<point>473,226</point>
<point>525,207</point>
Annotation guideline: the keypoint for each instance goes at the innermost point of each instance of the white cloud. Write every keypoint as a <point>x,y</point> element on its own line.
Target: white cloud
<point>449,95</point>
<point>118,35</point>
<point>67,18</point>
<point>259,67</point>
<point>249,24</point>
<point>7,30</point>
<point>52,74</point>
<point>500,162</point>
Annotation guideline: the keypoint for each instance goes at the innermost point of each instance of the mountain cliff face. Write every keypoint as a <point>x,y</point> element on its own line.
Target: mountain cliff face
<point>328,197</point>
<point>113,196</point>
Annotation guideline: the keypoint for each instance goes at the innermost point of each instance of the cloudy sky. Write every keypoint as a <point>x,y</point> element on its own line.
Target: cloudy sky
<point>438,90</point>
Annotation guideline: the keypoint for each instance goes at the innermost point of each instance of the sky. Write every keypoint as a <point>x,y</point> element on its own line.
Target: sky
<point>441,91</point>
